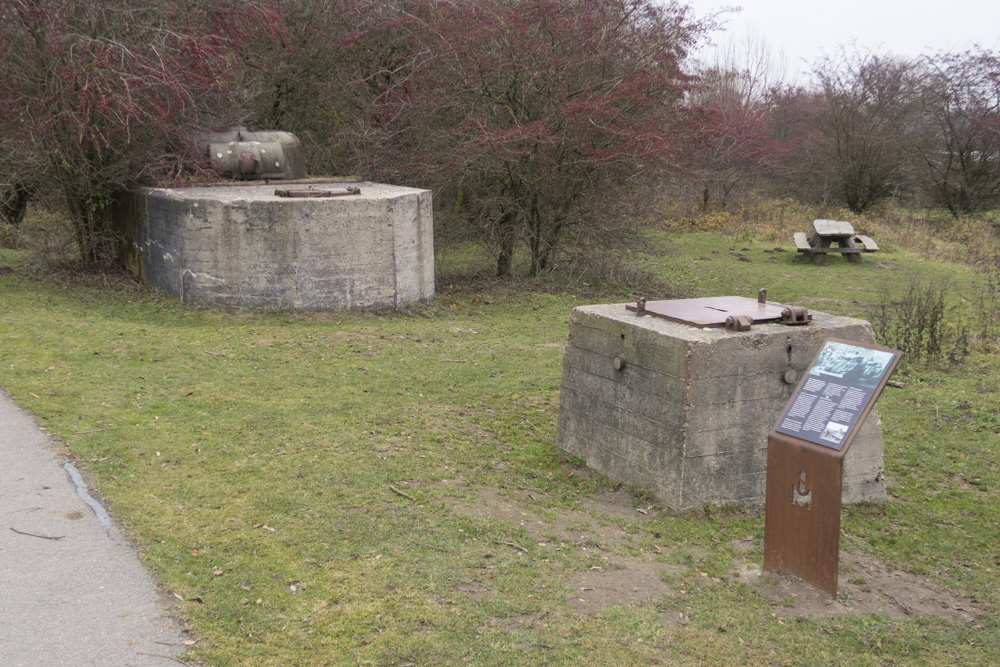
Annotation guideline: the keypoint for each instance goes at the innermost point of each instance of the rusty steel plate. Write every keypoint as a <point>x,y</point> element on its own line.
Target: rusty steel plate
<point>313,193</point>
<point>712,311</point>
<point>802,510</point>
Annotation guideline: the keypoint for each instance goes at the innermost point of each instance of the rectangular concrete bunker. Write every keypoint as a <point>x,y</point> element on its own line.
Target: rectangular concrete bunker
<point>685,412</point>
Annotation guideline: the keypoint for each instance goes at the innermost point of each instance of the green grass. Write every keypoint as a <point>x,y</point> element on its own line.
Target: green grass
<point>307,483</point>
<point>705,263</point>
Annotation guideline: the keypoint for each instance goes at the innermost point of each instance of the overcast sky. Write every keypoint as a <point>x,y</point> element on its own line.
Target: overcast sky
<point>805,30</point>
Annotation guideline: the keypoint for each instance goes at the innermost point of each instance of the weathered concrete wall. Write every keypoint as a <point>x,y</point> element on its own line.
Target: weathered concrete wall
<point>688,415</point>
<point>244,246</point>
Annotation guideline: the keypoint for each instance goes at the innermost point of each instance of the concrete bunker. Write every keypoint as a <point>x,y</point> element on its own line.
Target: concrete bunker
<point>327,245</point>
<point>685,411</point>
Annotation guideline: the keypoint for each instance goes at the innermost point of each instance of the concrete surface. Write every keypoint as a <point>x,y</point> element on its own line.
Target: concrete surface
<point>83,599</point>
<point>243,246</point>
<point>688,413</point>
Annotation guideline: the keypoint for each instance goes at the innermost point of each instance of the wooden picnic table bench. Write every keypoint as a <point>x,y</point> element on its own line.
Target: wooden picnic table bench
<point>829,232</point>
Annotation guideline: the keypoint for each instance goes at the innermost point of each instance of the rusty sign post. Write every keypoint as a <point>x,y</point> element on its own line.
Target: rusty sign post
<point>805,458</point>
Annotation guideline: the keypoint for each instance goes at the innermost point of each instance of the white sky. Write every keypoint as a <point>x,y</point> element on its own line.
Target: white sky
<point>805,30</point>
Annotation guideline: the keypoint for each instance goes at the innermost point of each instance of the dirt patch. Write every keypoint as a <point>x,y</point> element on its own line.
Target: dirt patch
<point>613,579</point>
<point>472,589</point>
<point>622,581</point>
<point>866,586</point>
<point>617,504</point>
<point>520,623</point>
<point>556,529</point>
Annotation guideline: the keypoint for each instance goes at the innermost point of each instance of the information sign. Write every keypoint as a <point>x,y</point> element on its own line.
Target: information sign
<point>805,458</point>
<point>834,394</point>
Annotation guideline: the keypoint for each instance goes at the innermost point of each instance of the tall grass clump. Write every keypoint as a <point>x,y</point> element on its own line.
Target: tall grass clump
<point>43,240</point>
<point>930,322</point>
<point>916,323</point>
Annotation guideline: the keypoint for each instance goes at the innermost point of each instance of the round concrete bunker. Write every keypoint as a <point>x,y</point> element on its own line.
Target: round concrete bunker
<point>245,246</point>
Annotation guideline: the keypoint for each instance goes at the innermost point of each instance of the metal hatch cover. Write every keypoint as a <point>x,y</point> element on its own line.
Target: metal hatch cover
<point>709,312</point>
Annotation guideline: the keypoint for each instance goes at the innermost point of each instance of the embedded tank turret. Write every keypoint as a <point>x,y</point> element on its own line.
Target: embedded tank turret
<point>255,156</point>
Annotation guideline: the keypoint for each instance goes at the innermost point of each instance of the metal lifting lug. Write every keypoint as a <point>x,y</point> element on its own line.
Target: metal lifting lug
<point>796,315</point>
<point>640,307</point>
<point>739,323</point>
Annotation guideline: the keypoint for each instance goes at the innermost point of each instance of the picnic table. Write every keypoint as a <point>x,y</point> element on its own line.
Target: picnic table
<point>826,233</point>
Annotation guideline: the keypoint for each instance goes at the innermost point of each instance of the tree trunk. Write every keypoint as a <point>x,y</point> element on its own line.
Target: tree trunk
<point>14,202</point>
<point>95,236</point>
<point>505,231</point>
<point>505,257</point>
<point>544,243</point>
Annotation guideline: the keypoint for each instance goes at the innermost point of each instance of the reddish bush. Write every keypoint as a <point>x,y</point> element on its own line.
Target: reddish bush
<point>94,91</point>
<point>518,111</point>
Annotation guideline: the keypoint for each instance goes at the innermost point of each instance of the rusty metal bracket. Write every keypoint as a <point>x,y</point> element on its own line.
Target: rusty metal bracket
<point>312,193</point>
<point>739,323</point>
<point>640,307</point>
<point>796,315</point>
<point>248,163</point>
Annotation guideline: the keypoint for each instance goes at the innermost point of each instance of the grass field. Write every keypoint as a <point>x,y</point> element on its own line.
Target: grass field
<point>383,489</point>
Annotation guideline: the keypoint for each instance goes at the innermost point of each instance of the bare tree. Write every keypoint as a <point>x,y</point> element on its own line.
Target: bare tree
<point>749,66</point>
<point>871,100</point>
<point>332,58</point>
<point>961,147</point>
<point>731,109</point>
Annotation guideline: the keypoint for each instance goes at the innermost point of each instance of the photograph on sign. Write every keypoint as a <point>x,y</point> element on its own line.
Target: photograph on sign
<point>852,364</point>
<point>835,392</point>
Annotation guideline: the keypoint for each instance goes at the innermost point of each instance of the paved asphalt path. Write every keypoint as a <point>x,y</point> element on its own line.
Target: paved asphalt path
<point>80,600</point>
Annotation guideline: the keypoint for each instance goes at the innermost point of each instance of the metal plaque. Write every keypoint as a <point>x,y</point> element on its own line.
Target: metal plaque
<point>837,392</point>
